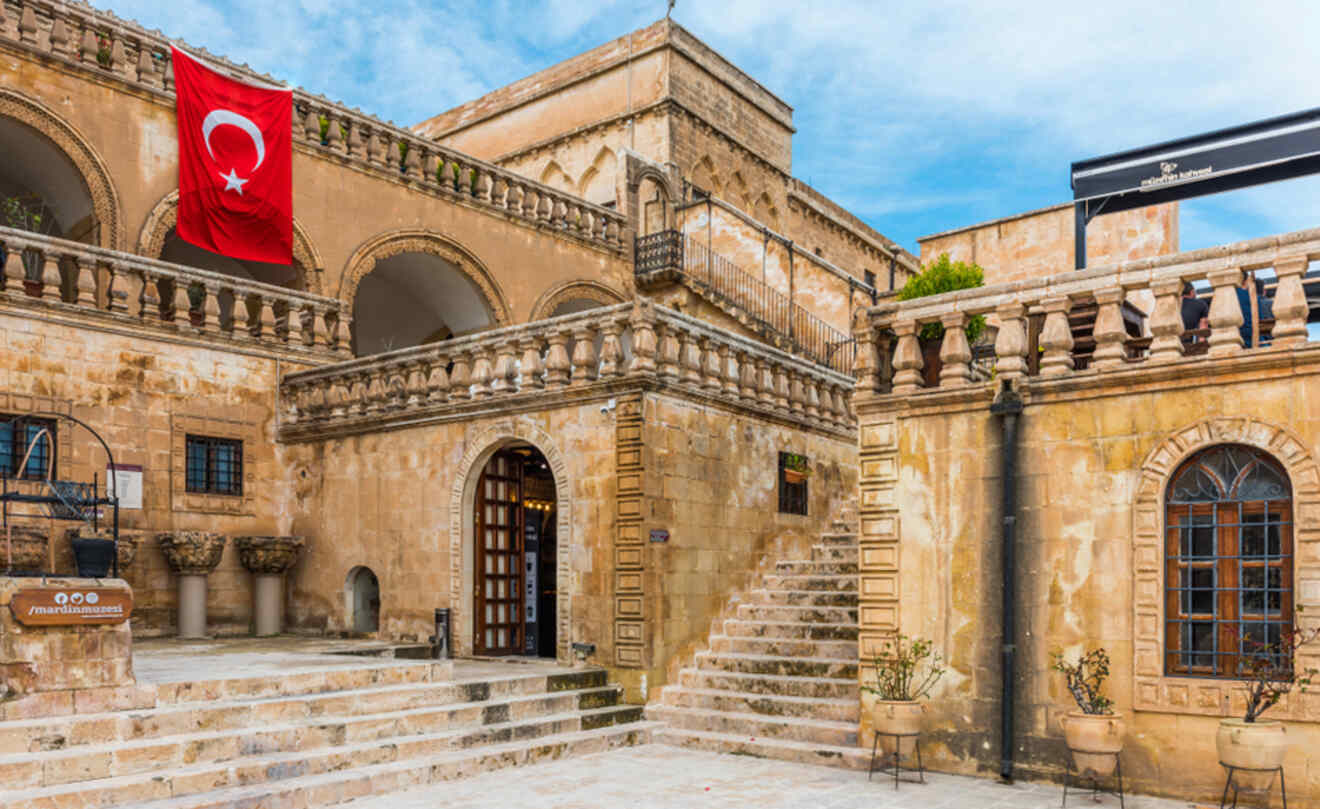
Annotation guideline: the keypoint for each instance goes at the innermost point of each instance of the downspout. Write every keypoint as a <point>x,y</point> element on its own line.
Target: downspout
<point>1008,405</point>
<point>893,270</point>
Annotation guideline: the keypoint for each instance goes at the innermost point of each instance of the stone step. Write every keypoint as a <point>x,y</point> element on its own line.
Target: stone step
<point>834,710</point>
<point>758,726</point>
<point>803,615</point>
<point>810,568</point>
<point>814,582</point>
<point>736,627</point>
<point>844,538</point>
<point>349,783</point>
<point>804,598</point>
<point>779,666</point>
<point>834,553</point>
<point>32,735</point>
<point>802,752</point>
<point>785,647</point>
<point>81,762</point>
<point>810,687</point>
<point>166,780</point>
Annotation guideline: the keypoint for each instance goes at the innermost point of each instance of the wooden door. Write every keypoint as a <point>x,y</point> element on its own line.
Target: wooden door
<point>498,600</point>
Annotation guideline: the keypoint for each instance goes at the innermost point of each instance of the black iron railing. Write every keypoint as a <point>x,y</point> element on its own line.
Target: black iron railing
<point>786,324</point>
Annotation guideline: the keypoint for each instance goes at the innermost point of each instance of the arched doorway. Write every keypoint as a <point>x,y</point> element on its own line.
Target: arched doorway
<point>362,591</point>
<point>515,555</point>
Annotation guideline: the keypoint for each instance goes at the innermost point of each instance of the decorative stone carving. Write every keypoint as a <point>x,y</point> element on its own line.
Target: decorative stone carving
<point>268,554</point>
<point>192,553</point>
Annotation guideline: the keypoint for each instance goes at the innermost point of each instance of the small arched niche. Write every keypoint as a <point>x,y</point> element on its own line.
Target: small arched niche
<point>362,599</point>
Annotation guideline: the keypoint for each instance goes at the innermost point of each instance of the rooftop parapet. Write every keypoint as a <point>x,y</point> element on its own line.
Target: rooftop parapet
<point>570,359</point>
<point>110,47</point>
<point>56,277</point>
<point>1077,327</point>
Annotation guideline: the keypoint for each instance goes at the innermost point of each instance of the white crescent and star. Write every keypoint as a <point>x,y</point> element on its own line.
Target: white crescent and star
<point>216,118</point>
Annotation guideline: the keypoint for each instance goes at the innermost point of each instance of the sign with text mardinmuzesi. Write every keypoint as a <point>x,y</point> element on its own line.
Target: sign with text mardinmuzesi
<point>1265,151</point>
<point>46,606</point>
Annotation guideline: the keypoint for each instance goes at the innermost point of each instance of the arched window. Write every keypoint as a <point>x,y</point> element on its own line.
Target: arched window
<point>1228,560</point>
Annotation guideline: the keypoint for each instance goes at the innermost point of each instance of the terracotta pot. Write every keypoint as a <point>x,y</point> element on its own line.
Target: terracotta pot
<point>1258,746</point>
<point>903,717</point>
<point>1093,739</point>
<point>30,549</point>
<point>793,476</point>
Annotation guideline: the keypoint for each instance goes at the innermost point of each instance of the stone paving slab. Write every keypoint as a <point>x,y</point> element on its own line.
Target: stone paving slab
<point>662,777</point>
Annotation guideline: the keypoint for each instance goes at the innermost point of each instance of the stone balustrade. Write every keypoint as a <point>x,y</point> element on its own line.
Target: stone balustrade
<point>1039,319</point>
<point>106,44</point>
<point>573,358</point>
<point>71,277</point>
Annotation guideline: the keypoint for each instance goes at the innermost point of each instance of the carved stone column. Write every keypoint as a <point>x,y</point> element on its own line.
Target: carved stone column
<point>584,355</point>
<point>1011,342</point>
<point>907,358</point>
<point>1290,308</point>
<point>1109,331</point>
<point>955,353</point>
<point>556,360</point>
<point>1166,324</point>
<point>267,558</point>
<point>644,340</point>
<point>1225,312</point>
<point>530,367</point>
<point>1056,340</point>
<point>690,359</point>
<point>192,555</point>
<point>712,374</point>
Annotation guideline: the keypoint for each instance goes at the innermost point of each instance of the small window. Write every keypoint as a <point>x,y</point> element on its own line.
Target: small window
<point>794,471</point>
<point>869,277</point>
<point>17,434</point>
<point>215,465</point>
<point>1228,560</point>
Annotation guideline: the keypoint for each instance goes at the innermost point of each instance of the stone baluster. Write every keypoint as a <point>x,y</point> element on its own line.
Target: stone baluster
<point>504,375</point>
<point>1290,307</point>
<point>51,282</point>
<point>158,299</point>
<point>393,159</point>
<point>811,395</point>
<point>955,353</point>
<point>1109,331</point>
<point>669,356</point>
<point>88,46</point>
<point>746,375</point>
<point>119,63</point>
<point>611,350</point>
<point>356,402</point>
<point>1011,342</point>
<point>338,396</point>
<point>558,213</point>
<point>783,394</point>
<point>584,354</point>
<point>531,367</point>
<point>712,377</point>
<point>499,190</point>
<point>729,367</point>
<point>1056,340</point>
<point>430,167</point>
<point>136,286</point>
<point>513,197</point>
<point>765,382</point>
<point>343,332</point>
<point>241,318</point>
<point>210,321</point>
<point>838,405</point>
<point>907,358</point>
<point>15,273</point>
<point>412,161</point>
<point>61,42</point>
<point>298,333</point>
<point>375,149</point>
<point>114,273</point>
<point>481,372</point>
<point>416,383</point>
<point>335,134</point>
<point>1225,312</point>
<point>1166,324</point>
<point>167,79</point>
<point>357,147</point>
<point>690,359</point>
<point>319,334</point>
<point>312,126</point>
<point>557,364</point>
<point>463,177</point>
<point>797,393</point>
<point>27,25</point>
<point>866,365</point>
<point>85,282</point>
<point>530,200</point>
<point>266,320</point>
<point>147,72</point>
<point>377,392</point>
<point>437,381</point>
<point>545,207</point>
<point>643,339</point>
<point>485,186</point>
<point>612,231</point>
<point>588,224</point>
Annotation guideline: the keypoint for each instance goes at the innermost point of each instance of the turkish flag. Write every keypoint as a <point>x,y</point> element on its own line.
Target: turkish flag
<point>235,164</point>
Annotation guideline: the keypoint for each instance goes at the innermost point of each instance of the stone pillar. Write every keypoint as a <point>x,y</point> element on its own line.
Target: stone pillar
<point>1056,337</point>
<point>1109,332</point>
<point>1166,323</point>
<point>192,555</point>
<point>955,353</point>
<point>907,358</point>
<point>267,558</point>
<point>1011,342</point>
<point>1225,312</point>
<point>1290,307</point>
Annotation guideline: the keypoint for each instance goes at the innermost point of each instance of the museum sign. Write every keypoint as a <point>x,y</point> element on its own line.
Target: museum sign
<point>46,606</point>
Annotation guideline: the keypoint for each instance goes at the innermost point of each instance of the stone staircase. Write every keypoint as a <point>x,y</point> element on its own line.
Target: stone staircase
<point>319,741</point>
<point>779,679</point>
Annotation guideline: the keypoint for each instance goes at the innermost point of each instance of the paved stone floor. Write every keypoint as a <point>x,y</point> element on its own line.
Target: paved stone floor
<point>660,777</point>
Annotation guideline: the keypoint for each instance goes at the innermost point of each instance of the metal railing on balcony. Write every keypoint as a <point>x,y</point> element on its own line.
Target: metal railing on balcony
<point>770,312</point>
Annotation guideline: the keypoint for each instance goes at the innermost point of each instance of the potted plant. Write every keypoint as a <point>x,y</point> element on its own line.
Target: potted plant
<point>1254,747</point>
<point>796,468</point>
<point>942,275</point>
<point>1094,733</point>
<point>906,669</point>
<point>26,212</point>
<point>94,551</point>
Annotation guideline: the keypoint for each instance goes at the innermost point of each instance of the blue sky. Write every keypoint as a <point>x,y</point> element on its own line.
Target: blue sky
<point>918,117</point>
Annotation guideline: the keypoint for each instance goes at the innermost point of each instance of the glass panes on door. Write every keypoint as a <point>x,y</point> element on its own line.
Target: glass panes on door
<point>499,535</point>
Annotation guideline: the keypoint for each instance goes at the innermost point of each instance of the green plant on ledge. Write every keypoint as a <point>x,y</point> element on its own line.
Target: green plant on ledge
<point>1086,679</point>
<point>797,463</point>
<point>945,275</point>
<point>1268,671</point>
<point>906,669</point>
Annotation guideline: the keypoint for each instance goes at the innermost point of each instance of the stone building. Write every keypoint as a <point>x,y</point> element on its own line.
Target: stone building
<point>591,317</point>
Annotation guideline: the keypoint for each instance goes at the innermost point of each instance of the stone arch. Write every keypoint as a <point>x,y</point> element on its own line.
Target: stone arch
<point>765,212</point>
<point>705,177</point>
<point>164,217</point>
<point>554,176</point>
<point>480,447</point>
<point>569,291</point>
<point>395,242</point>
<point>598,183</point>
<point>1153,689</point>
<point>106,206</point>
<point>738,192</point>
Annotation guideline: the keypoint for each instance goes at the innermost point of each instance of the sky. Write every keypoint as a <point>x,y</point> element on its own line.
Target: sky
<point>918,117</point>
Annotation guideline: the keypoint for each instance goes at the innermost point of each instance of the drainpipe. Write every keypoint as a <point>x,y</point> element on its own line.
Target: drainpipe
<point>1008,405</point>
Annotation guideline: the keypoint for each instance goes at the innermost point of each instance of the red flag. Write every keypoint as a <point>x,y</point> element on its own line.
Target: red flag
<point>235,164</point>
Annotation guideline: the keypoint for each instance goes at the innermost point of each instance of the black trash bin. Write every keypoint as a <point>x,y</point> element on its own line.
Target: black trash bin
<point>94,557</point>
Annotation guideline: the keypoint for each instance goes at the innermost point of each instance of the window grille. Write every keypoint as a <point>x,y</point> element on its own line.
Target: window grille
<point>214,465</point>
<point>1228,560</point>
<point>792,495</point>
<point>16,433</point>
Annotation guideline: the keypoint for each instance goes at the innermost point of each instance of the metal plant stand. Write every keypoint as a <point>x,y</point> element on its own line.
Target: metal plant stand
<point>1077,780</point>
<point>892,764</point>
<point>1230,782</point>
